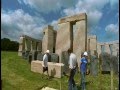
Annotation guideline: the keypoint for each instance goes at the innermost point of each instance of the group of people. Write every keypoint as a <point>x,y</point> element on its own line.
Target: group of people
<point>73,65</point>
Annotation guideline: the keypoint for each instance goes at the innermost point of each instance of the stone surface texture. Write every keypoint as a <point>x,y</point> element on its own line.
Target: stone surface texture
<point>80,39</point>
<point>63,42</point>
<point>48,41</point>
<point>54,69</point>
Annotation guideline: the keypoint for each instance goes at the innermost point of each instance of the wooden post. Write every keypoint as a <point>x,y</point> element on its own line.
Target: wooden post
<point>111,78</point>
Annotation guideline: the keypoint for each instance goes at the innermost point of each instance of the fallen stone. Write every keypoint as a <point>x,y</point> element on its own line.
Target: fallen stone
<point>54,69</point>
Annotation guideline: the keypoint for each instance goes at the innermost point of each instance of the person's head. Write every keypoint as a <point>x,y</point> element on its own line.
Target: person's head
<point>47,52</point>
<point>85,54</point>
<point>69,51</point>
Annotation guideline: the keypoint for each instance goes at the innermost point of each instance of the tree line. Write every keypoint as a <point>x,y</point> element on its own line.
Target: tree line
<point>8,45</point>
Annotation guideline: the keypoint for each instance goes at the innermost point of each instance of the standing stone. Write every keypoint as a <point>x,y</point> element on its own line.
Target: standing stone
<point>107,48</point>
<point>80,39</point>
<point>105,61</point>
<point>39,46</point>
<point>115,48</point>
<point>54,57</point>
<point>21,46</point>
<point>34,55</point>
<point>40,56</point>
<point>63,39</point>
<point>65,59</point>
<point>94,65</point>
<point>98,49</point>
<point>33,46</point>
<point>92,43</point>
<point>30,58</point>
<point>48,42</point>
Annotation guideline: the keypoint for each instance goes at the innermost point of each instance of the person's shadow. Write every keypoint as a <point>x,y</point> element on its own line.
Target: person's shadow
<point>78,87</point>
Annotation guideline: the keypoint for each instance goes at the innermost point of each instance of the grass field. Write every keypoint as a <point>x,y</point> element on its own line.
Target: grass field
<point>16,75</point>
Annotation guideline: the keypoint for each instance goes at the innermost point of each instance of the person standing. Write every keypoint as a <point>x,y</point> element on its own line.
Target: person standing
<point>72,66</point>
<point>45,62</point>
<point>83,69</point>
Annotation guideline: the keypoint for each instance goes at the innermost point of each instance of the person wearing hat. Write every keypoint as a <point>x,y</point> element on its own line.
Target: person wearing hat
<point>83,69</point>
<point>45,62</point>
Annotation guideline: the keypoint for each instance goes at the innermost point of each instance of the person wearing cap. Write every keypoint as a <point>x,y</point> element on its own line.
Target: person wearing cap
<point>72,67</point>
<point>83,69</point>
<point>45,62</point>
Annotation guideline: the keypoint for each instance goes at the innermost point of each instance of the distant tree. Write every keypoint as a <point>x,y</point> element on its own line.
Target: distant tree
<point>8,45</point>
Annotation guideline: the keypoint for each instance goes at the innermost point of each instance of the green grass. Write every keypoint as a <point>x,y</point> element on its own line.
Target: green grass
<point>17,75</point>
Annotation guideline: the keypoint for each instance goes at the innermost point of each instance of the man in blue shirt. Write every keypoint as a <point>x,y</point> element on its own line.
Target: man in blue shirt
<point>83,69</point>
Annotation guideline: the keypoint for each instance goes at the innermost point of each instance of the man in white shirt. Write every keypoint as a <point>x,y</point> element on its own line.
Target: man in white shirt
<point>72,66</point>
<point>45,62</point>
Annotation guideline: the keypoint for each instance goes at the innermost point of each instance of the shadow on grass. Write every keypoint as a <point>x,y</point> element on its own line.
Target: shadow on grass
<point>39,88</point>
<point>80,88</point>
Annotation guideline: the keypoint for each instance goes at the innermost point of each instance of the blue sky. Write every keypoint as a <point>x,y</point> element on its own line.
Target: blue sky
<point>31,16</point>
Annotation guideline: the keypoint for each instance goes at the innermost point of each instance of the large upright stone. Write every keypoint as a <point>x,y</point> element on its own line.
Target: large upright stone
<point>21,46</point>
<point>48,42</point>
<point>98,49</point>
<point>107,48</point>
<point>115,49</point>
<point>92,43</point>
<point>80,38</point>
<point>65,60</point>
<point>39,46</point>
<point>27,43</point>
<point>94,65</point>
<point>63,39</point>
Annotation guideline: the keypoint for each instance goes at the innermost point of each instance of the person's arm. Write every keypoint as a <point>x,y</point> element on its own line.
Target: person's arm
<point>80,61</point>
<point>44,57</point>
<point>70,63</point>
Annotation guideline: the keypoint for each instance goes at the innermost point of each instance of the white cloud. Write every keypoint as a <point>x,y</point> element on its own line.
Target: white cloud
<point>54,23</point>
<point>93,8</point>
<point>48,5</point>
<point>112,32</point>
<point>112,28</point>
<point>16,23</point>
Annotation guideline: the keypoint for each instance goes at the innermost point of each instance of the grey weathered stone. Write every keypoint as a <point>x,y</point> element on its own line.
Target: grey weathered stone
<point>63,40</point>
<point>25,54</point>
<point>114,62</point>
<point>34,55</point>
<point>98,49</point>
<point>73,18</point>
<point>115,49</point>
<point>40,56</point>
<point>27,43</point>
<point>48,42</point>
<point>105,61</point>
<point>94,65</point>
<point>80,39</point>
<point>92,43</point>
<point>30,58</point>
<point>54,57</point>
<point>107,48</point>
<point>64,60</point>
